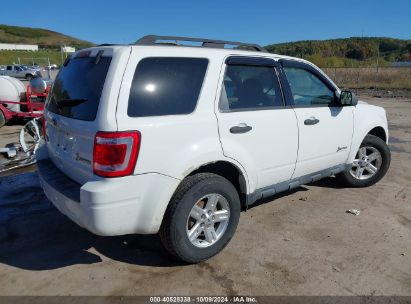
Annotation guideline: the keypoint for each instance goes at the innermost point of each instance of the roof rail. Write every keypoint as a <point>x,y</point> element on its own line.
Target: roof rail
<point>106,44</point>
<point>211,43</point>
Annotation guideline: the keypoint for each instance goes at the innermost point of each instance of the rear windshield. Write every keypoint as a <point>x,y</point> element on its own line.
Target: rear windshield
<point>77,89</point>
<point>166,86</point>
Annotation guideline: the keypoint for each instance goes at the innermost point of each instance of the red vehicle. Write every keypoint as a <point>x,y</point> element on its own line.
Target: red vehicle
<point>31,105</point>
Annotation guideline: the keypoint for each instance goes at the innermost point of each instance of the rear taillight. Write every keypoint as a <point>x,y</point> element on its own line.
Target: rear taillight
<point>115,153</point>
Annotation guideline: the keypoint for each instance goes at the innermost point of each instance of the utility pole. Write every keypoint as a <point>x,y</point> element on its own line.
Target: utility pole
<point>61,52</point>
<point>376,74</point>
<point>49,67</point>
<point>378,59</point>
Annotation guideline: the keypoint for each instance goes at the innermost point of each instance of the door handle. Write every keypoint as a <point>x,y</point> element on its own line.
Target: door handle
<point>311,121</point>
<point>240,128</point>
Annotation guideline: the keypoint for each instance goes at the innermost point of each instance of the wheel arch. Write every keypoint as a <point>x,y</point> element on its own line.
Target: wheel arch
<point>231,172</point>
<point>379,132</point>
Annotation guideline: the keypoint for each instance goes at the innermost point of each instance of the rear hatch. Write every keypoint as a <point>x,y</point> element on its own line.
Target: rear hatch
<point>82,102</point>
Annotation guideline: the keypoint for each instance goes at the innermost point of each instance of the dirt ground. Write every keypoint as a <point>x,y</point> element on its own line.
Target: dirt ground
<point>298,243</point>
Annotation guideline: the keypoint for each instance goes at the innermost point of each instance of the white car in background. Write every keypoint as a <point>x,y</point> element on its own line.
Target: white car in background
<point>51,67</point>
<point>170,139</point>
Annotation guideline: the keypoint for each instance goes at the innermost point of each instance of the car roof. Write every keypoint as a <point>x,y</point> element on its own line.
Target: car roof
<point>203,45</point>
<point>203,50</point>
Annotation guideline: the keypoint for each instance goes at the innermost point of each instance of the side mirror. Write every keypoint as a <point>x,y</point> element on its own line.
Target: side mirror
<point>348,98</point>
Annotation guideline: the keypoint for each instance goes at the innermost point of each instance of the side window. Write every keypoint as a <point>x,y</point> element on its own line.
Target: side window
<point>166,86</point>
<point>250,87</point>
<point>307,88</point>
<point>9,68</point>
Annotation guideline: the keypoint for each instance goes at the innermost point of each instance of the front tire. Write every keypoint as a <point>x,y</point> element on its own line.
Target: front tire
<point>201,218</point>
<point>370,165</point>
<point>29,77</point>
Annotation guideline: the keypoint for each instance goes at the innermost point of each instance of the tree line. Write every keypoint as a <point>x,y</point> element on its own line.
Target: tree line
<point>355,51</point>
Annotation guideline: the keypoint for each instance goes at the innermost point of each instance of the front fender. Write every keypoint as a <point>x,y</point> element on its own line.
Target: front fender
<point>366,118</point>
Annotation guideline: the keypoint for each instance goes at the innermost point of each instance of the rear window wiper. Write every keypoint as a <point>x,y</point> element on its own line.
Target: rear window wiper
<point>66,62</point>
<point>70,102</point>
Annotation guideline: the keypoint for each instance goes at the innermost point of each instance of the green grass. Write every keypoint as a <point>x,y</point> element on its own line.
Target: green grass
<point>342,62</point>
<point>25,32</point>
<point>370,77</point>
<point>9,57</point>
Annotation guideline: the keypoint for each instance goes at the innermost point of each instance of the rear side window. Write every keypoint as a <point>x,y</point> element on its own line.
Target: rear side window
<point>250,88</point>
<point>77,89</point>
<point>166,86</point>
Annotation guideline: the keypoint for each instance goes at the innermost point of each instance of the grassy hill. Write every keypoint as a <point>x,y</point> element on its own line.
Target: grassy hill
<point>48,41</point>
<point>44,38</point>
<point>348,52</point>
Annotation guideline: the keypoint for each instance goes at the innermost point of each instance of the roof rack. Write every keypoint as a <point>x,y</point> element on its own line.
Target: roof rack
<point>210,43</point>
<point>107,44</point>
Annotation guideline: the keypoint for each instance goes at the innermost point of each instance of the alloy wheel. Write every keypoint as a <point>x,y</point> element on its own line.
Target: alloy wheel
<point>208,220</point>
<point>367,163</point>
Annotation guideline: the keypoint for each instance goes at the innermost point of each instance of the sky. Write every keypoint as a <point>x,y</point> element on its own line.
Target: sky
<point>263,22</point>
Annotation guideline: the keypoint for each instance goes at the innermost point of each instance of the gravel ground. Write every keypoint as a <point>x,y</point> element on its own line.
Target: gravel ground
<point>298,243</point>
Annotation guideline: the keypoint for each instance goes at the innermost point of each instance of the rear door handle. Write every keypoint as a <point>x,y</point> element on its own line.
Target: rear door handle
<point>240,128</point>
<point>311,121</point>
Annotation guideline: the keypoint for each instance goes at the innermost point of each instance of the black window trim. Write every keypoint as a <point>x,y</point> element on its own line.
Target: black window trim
<point>251,61</point>
<point>286,86</point>
<point>199,93</point>
<point>256,62</point>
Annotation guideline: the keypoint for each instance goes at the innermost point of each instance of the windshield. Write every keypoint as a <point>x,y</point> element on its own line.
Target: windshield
<point>77,89</point>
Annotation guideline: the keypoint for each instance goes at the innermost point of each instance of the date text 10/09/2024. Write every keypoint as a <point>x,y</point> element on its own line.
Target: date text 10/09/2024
<point>207,299</point>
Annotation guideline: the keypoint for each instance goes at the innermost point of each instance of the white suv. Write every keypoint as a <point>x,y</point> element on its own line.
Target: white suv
<point>176,139</point>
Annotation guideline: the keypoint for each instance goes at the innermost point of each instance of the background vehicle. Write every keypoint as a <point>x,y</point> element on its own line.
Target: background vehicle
<point>51,67</point>
<point>18,71</point>
<point>162,138</point>
<point>20,101</point>
<point>32,67</point>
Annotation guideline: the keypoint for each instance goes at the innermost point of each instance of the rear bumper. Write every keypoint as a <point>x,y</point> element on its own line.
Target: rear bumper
<point>117,206</point>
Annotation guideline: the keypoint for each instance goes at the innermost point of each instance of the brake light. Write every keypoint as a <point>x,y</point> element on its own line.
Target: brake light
<point>83,54</point>
<point>115,153</point>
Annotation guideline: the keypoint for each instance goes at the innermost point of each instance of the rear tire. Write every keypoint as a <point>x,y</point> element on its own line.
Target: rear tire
<point>205,206</point>
<point>373,155</point>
